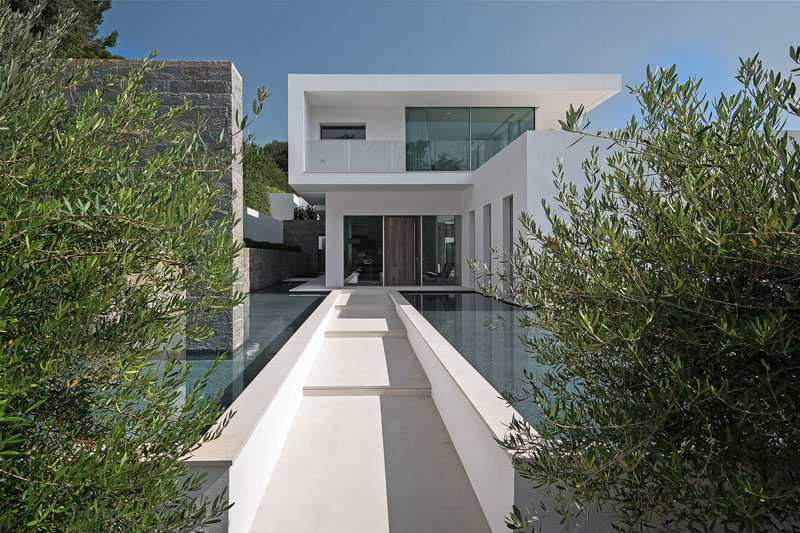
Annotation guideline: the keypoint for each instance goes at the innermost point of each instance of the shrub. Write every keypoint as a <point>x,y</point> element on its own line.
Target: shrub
<point>110,223</point>
<point>308,212</point>
<point>266,245</point>
<point>666,312</point>
<point>261,176</point>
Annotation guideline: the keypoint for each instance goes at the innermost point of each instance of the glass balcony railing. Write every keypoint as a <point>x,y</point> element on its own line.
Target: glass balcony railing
<point>335,155</point>
<point>353,155</point>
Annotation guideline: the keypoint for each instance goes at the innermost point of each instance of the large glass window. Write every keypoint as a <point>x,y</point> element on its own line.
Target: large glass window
<point>461,138</point>
<point>363,250</point>
<point>437,138</point>
<point>441,250</point>
<point>494,128</point>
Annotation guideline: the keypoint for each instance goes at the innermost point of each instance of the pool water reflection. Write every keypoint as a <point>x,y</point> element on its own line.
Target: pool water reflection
<point>272,317</point>
<point>496,352</point>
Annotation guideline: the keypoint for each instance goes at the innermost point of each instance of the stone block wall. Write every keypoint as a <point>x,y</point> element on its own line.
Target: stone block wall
<point>305,234</point>
<point>215,90</point>
<point>268,267</point>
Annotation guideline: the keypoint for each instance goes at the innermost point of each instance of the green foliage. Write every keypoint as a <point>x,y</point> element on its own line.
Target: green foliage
<point>266,245</point>
<point>308,212</point>
<point>109,224</point>
<point>279,150</point>
<point>261,176</point>
<point>80,40</point>
<point>665,305</point>
<point>446,162</point>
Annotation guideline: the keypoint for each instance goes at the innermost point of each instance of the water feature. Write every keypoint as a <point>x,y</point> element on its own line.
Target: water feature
<point>495,351</point>
<point>272,316</point>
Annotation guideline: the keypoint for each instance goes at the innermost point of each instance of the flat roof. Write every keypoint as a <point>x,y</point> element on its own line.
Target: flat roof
<point>551,94</point>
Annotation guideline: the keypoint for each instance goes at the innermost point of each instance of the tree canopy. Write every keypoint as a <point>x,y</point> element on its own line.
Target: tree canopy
<point>81,39</point>
<point>262,174</point>
<point>665,313</point>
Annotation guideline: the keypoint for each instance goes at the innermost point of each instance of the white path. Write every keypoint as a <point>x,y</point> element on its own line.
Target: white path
<point>367,451</point>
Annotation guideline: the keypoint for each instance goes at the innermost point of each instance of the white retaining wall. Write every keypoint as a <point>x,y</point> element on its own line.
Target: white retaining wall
<point>282,204</point>
<point>243,458</point>
<point>261,227</point>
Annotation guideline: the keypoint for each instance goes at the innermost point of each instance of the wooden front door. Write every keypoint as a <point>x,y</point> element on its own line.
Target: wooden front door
<point>401,250</point>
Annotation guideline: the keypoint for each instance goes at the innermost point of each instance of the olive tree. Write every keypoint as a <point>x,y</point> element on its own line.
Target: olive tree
<point>665,315</point>
<point>113,235</point>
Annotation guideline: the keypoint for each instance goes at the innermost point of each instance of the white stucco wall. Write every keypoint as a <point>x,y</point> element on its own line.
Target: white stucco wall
<point>383,123</point>
<point>503,175</point>
<point>523,169</point>
<point>261,227</point>
<point>282,204</point>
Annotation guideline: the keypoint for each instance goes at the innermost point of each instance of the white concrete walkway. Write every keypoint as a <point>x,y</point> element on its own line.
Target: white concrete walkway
<point>367,451</point>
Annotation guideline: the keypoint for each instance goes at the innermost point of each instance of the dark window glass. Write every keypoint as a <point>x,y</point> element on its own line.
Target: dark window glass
<point>343,132</point>
<point>494,128</point>
<point>437,138</point>
<point>363,250</point>
<point>441,250</point>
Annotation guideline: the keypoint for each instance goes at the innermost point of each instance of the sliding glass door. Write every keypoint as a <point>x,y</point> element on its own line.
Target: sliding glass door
<point>363,250</point>
<point>441,250</point>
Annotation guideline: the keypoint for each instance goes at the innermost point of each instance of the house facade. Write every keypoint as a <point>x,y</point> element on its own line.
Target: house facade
<point>419,173</point>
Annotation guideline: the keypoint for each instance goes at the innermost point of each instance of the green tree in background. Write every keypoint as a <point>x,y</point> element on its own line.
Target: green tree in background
<point>110,221</point>
<point>81,39</point>
<point>279,150</point>
<point>665,301</point>
<point>262,174</point>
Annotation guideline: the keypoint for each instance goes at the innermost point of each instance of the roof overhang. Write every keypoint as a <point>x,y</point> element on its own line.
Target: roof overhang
<point>551,94</point>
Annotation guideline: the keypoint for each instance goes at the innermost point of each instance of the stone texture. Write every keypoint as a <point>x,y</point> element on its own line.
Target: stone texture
<point>215,90</point>
<point>268,267</point>
<point>305,234</point>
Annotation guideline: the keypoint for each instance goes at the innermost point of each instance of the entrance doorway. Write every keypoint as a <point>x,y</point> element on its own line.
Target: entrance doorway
<point>401,262</point>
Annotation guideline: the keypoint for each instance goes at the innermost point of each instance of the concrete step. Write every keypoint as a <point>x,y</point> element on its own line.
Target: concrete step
<point>365,299</point>
<point>366,391</point>
<point>357,322</point>
<point>366,363</point>
<point>379,463</point>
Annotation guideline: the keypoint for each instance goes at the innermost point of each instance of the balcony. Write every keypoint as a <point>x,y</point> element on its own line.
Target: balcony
<point>334,155</point>
<point>355,155</point>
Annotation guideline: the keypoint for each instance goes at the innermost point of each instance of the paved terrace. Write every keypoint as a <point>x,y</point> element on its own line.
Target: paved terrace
<point>367,450</point>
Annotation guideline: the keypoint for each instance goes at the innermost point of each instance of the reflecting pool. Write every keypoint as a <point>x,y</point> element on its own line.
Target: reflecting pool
<point>272,316</point>
<point>495,351</point>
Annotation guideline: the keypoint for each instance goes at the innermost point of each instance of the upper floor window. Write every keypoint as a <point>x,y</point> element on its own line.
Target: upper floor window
<point>358,131</point>
<point>494,128</point>
<point>461,138</point>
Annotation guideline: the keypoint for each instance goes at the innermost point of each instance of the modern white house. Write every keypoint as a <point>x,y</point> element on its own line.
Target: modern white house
<point>420,172</point>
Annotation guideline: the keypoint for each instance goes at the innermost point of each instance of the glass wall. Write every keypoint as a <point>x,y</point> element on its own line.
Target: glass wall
<point>363,250</point>
<point>437,138</point>
<point>494,128</point>
<point>441,250</point>
<point>461,138</point>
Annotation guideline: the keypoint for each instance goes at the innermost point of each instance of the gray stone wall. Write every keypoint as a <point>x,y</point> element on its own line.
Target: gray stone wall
<point>268,267</point>
<point>215,90</point>
<point>305,234</point>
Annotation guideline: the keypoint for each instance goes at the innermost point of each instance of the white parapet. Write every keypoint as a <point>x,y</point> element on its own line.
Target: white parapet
<point>282,204</point>
<point>243,458</point>
<point>261,227</point>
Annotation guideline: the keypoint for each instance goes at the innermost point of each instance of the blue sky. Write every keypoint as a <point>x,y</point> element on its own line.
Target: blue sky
<point>269,39</point>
